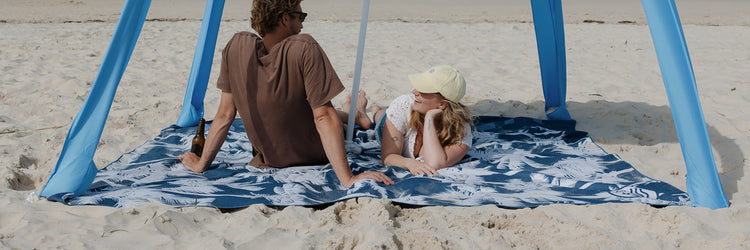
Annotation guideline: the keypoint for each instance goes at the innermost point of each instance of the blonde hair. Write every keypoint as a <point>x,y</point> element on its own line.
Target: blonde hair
<point>266,14</point>
<point>450,124</point>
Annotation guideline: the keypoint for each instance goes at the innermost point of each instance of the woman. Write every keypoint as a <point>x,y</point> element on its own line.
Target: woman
<point>428,129</point>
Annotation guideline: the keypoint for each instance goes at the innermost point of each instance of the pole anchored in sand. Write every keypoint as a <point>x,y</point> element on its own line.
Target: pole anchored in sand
<point>357,71</point>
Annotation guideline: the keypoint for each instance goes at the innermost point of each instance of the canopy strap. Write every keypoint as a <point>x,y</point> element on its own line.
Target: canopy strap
<point>192,105</point>
<point>550,41</point>
<point>703,183</point>
<point>75,169</point>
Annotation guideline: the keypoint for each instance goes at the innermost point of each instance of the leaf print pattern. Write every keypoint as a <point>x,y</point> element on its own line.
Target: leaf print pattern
<point>515,162</point>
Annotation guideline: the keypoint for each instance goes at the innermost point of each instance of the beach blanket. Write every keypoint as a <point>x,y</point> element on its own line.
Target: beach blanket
<point>515,162</point>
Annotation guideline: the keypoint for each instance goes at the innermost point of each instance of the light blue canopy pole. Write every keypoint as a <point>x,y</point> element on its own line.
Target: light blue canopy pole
<point>192,105</point>
<point>357,69</point>
<point>703,184</point>
<point>75,169</point>
<point>550,41</point>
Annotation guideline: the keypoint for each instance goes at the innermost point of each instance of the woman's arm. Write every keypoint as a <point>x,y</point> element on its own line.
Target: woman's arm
<point>435,155</point>
<point>392,146</point>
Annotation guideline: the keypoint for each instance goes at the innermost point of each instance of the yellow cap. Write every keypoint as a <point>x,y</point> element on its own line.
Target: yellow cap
<point>441,79</point>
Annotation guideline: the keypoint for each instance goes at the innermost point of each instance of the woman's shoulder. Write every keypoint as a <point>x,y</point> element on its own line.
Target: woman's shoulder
<point>401,104</point>
<point>398,112</point>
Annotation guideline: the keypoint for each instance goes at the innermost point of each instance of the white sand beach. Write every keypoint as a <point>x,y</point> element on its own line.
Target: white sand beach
<point>50,52</point>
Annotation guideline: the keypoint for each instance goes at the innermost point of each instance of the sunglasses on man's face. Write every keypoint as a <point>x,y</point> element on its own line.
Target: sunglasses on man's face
<point>302,15</point>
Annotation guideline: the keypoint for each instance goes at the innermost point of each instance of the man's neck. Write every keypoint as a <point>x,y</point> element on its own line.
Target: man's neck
<point>271,39</point>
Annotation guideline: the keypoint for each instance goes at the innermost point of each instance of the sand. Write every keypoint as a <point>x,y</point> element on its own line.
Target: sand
<point>50,52</point>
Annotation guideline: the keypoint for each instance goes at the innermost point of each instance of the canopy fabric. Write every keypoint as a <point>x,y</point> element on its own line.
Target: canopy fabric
<point>192,105</point>
<point>703,182</point>
<point>550,40</point>
<point>75,170</point>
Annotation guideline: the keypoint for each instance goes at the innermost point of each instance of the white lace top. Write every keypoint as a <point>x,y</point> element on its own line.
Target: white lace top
<point>398,113</point>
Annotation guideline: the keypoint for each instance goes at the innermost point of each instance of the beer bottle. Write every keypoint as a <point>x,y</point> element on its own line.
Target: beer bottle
<point>199,139</point>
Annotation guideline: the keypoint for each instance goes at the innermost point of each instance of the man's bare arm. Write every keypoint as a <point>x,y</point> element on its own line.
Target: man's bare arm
<point>331,134</point>
<point>217,133</point>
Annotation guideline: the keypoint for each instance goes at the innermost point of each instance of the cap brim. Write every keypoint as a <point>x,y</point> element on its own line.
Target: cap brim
<point>422,83</point>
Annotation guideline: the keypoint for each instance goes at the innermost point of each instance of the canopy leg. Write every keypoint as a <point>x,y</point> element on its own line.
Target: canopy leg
<point>357,70</point>
<point>703,184</point>
<point>192,105</point>
<point>75,169</point>
<point>550,41</point>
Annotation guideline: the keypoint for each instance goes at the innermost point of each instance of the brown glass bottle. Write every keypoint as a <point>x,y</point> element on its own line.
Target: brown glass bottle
<point>199,139</point>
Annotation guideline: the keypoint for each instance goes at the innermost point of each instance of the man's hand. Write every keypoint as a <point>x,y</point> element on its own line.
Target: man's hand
<point>420,168</point>
<point>377,176</point>
<point>329,128</point>
<point>191,161</point>
<point>217,133</point>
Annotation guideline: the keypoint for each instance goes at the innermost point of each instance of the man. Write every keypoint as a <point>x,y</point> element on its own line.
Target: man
<point>282,86</point>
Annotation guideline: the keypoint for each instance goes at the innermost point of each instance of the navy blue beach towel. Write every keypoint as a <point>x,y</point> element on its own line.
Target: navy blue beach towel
<point>515,162</point>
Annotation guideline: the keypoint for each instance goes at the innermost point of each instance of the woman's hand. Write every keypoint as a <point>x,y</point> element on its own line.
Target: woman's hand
<point>432,113</point>
<point>420,168</point>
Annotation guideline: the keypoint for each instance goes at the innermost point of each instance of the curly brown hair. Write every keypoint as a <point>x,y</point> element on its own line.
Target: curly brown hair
<point>266,14</point>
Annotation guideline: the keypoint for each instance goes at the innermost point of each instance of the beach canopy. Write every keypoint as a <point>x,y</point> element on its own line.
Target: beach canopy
<point>75,169</point>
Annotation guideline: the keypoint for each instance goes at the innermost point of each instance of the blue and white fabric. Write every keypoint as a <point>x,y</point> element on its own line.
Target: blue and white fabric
<point>515,162</point>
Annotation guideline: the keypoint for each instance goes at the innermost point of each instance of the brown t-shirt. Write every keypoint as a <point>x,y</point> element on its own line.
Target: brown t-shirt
<point>275,93</point>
